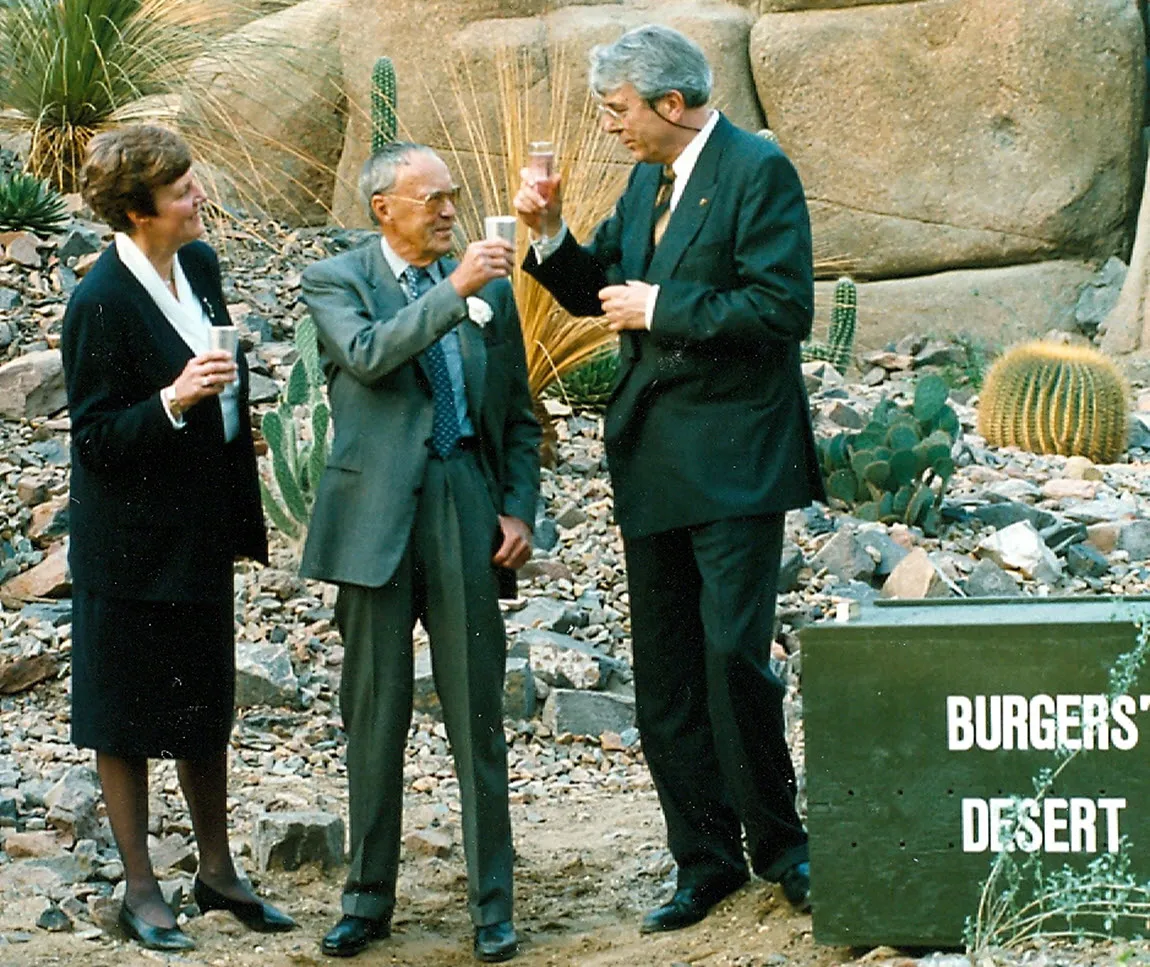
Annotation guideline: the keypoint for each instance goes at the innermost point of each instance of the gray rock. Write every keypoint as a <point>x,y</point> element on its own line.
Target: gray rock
<point>1061,534</point>
<point>890,553</point>
<point>570,516</point>
<point>546,533</point>
<point>263,390</point>
<point>80,240</point>
<point>790,565</point>
<point>518,689</point>
<point>9,299</point>
<point>845,558</point>
<point>1021,548</point>
<point>1085,560</point>
<point>1014,489</point>
<point>1100,509</point>
<point>535,637</point>
<point>1139,431</point>
<point>264,675</point>
<point>988,580</point>
<point>1134,538</point>
<point>32,385</point>
<point>54,920</point>
<point>565,667</point>
<point>548,614</point>
<point>588,713</point>
<point>1097,297</point>
<point>845,416</point>
<point>1001,515</point>
<point>55,613</point>
<point>72,802</point>
<point>288,840</point>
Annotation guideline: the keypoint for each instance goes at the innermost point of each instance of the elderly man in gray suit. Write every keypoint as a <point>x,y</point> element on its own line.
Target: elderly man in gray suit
<point>422,514</point>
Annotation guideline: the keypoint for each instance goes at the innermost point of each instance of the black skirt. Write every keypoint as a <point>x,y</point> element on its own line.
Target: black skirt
<point>152,678</point>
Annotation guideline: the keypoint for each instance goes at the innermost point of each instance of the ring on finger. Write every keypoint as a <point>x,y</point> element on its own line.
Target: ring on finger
<point>205,382</point>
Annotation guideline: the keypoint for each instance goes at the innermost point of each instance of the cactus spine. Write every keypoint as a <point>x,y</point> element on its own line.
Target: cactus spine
<point>384,124</point>
<point>839,349</point>
<point>1050,398</point>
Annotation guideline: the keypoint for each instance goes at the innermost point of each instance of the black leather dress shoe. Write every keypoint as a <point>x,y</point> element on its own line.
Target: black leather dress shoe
<point>496,942</point>
<point>153,937</point>
<point>796,884</point>
<point>348,937</point>
<point>690,904</point>
<point>255,915</point>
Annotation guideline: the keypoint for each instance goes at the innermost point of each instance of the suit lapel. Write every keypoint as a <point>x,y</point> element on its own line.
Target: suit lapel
<point>173,349</point>
<point>694,205</point>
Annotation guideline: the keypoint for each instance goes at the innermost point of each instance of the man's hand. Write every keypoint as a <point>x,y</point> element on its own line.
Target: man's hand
<point>539,203</point>
<point>516,546</point>
<point>625,306</point>
<point>482,262</point>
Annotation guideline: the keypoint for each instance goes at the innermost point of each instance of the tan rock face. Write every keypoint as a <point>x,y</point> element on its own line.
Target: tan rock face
<point>426,99</point>
<point>998,306</point>
<point>956,133</point>
<point>278,83</point>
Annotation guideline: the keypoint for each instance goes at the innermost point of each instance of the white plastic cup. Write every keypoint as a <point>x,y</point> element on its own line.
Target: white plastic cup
<point>500,226</point>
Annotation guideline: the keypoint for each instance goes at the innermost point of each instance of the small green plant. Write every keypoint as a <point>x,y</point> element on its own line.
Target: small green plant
<point>897,467</point>
<point>589,386</point>
<point>1020,902</point>
<point>384,122</point>
<point>296,434</point>
<point>29,204</point>
<point>839,348</point>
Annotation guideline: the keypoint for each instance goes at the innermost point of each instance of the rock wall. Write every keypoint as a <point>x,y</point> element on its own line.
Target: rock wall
<point>931,135</point>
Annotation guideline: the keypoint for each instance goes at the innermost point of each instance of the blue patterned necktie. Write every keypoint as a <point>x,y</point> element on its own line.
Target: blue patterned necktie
<point>444,425</point>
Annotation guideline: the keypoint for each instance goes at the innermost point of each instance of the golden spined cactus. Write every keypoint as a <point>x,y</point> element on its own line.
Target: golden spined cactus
<point>1048,397</point>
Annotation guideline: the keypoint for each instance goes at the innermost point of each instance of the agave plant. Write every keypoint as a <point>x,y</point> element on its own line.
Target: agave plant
<point>29,204</point>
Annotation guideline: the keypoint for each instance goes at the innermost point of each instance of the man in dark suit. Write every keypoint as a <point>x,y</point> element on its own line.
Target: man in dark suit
<point>704,268</point>
<point>427,496</point>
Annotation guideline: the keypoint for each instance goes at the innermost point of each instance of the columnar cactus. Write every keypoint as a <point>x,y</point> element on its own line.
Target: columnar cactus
<point>839,349</point>
<point>384,124</point>
<point>1048,397</point>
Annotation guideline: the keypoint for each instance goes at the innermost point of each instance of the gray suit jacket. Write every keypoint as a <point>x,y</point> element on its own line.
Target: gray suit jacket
<point>370,341</point>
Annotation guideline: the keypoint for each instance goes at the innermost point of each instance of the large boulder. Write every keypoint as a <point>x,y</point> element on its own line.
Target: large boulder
<point>275,127</point>
<point>998,306</point>
<point>958,133</point>
<point>481,32</point>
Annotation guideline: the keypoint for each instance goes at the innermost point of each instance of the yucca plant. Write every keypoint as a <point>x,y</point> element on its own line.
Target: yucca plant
<point>69,68</point>
<point>28,204</point>
<point>296,434</point>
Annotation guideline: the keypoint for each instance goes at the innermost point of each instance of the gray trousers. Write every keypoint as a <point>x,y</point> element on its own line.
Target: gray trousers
<point>446,581</point>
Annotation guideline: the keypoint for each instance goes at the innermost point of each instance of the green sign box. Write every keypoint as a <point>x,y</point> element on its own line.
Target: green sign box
<point>924,721</point>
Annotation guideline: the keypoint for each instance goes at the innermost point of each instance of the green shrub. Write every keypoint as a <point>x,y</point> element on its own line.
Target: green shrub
<point>29,204</point>
<point>297,436</point>
<point>897,467</point>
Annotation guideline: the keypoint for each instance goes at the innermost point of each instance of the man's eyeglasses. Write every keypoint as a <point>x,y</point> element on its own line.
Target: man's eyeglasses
<point>433,201</point>
<point>619,113</point>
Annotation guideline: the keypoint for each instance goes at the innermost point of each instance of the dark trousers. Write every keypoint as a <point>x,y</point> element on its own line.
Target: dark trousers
<point>445,580</point>
<point>710,709</point>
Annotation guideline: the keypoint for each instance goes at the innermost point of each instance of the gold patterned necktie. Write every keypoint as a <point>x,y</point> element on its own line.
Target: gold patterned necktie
<point>663,203</point>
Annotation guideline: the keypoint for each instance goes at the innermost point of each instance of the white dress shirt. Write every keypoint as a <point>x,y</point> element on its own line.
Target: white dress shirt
<point>683,166</point>
<point>186,316</point>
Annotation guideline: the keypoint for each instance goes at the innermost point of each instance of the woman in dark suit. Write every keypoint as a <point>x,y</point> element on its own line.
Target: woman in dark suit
<point>164,497</point>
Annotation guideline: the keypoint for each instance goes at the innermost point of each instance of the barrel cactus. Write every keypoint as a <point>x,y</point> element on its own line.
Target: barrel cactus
<point>1048,397</point>
<point>897,467</point>
<point>384,124</point>
<point>839,349</point>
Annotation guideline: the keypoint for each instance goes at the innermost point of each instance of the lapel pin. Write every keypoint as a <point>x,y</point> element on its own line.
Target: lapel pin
<point>702,202</point>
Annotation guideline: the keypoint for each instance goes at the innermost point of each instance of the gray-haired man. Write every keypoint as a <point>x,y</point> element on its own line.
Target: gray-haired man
<point>434,464</point>
<point>704,269</point>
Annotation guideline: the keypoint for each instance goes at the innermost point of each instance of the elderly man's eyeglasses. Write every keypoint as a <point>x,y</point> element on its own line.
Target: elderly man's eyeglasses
<point>433,201</point>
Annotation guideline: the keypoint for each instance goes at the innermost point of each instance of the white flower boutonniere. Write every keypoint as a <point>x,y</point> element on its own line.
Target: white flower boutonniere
<point>479,311</point>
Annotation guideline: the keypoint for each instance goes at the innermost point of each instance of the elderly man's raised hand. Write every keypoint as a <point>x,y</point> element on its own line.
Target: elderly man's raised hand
<point>482,262</point>
<point>539,202</point>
